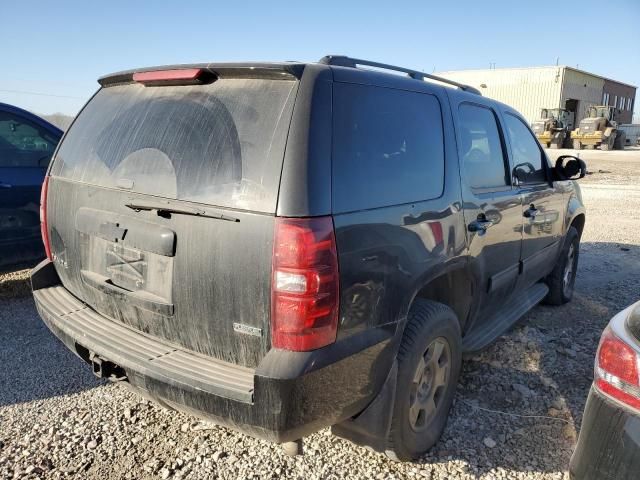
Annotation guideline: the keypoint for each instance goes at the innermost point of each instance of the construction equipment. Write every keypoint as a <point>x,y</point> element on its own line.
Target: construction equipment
<point>599,129</point>
<point>553,128</point>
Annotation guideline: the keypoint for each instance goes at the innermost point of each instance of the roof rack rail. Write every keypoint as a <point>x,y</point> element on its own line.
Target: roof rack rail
<point>343,61</point>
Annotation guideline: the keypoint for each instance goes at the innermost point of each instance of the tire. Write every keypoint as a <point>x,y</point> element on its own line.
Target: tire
<point>608,143</point>
<point>429,362</point>
<point>561,280</point>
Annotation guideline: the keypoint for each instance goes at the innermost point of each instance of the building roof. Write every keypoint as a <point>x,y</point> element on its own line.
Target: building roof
<point>537,68</point>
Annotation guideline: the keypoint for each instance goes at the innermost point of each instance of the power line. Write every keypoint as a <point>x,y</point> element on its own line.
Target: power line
<point>41,94</point>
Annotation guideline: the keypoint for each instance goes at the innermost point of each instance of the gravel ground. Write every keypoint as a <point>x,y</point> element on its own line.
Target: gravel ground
<point>516,413</point>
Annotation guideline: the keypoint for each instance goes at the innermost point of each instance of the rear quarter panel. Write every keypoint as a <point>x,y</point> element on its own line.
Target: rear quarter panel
<point>386,255</point>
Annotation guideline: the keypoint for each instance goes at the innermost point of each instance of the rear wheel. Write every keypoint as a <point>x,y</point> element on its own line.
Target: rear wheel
<point>608,142</point>
<point>620,141</point>
<point>429,363</point>
<point>561,280</point>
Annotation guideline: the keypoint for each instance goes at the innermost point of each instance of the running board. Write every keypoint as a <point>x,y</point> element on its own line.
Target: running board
<point>504,319</point>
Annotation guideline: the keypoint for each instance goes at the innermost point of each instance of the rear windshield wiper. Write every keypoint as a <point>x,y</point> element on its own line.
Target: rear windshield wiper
<point>164,209</point>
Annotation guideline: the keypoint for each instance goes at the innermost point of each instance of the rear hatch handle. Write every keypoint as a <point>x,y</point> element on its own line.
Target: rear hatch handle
<point>164,209</point>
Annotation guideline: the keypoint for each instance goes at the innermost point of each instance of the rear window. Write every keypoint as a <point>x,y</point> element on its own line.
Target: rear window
<point>387,147</point>
<point>220,144</point>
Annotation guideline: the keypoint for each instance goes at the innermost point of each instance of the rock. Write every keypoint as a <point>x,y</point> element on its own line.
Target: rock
<point>522,389</point>
<point>218,455</point>
<point>92,444</point>
<point>548,382</point>
<point>570,352</point>
<point>165,473</point>
<point>489,442</point>
<point>569,432</point>
<point>557,403</point>
<point>184,428</point>
<point>202,425</point>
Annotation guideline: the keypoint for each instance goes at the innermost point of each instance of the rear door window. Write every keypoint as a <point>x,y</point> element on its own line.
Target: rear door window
<point>387,147</point>
<point>220,144</point>
<point>480,148</point>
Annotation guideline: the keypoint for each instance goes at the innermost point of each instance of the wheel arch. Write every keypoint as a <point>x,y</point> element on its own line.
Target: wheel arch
<point>453,286</point>
<point>578,222</point>
<point>576,213</point>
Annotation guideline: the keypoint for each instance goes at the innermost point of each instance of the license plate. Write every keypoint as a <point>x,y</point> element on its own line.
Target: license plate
<point>126,267</point>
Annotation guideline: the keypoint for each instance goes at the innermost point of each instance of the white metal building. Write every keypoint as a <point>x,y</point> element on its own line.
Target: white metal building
<point>532,88</point>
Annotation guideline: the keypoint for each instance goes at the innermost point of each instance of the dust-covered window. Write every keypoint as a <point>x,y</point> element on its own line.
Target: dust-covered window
<point>220,144</point>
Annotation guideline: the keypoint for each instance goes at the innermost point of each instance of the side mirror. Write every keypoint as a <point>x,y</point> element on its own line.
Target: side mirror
<point>523,172</point>
<point>569,167</point>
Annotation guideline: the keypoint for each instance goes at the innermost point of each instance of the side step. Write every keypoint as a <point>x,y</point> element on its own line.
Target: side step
<point>504,319</point>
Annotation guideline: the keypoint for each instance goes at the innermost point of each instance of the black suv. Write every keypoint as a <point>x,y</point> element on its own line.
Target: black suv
<point>283,247</point>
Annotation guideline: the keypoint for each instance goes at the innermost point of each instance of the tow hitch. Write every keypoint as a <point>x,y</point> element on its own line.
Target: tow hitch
<point>105,369</point>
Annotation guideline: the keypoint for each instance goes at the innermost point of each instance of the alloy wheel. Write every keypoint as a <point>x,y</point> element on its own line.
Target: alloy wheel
<point>429,384</point>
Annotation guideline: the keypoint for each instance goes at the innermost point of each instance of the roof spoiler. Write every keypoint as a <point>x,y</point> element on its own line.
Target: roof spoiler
<point>343,61</point>
<point>275,71</point>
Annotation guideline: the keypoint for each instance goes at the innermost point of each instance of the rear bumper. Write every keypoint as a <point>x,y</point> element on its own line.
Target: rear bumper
<point>289,395</point>
<point>609,442</point>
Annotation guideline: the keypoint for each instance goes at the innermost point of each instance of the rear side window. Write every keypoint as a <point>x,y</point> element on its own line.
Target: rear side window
<point>220,144</point>
<point>481,148</point>
<point>387,147</point>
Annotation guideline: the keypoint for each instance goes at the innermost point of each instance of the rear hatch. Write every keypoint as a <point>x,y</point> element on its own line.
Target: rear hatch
<point>161,208</point>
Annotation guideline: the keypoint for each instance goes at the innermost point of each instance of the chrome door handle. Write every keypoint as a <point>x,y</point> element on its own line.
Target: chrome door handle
<point>531,212</point>
<point>480,225</point>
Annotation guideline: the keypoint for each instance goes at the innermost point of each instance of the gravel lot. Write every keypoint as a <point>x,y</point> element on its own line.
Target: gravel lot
<point>517,408</point>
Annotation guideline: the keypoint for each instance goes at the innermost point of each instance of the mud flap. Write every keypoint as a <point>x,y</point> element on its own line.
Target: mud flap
<point>370,428</point>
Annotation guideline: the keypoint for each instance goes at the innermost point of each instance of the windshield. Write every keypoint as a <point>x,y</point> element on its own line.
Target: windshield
<point>220,144</point>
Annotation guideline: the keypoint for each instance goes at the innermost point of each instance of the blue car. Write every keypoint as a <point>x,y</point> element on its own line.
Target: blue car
<point>27,143</point>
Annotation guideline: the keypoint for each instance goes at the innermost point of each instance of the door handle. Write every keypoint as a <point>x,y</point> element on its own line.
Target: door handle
<point>480,225</point>
<point>531,212</point>
<point>5,185</point>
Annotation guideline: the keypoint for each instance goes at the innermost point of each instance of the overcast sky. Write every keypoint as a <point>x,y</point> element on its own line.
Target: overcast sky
<point>53,52</point>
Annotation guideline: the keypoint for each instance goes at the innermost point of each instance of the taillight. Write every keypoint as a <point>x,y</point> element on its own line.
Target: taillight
<point>304,284</point>
<point>616,371</point>
<point>44,231</point>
